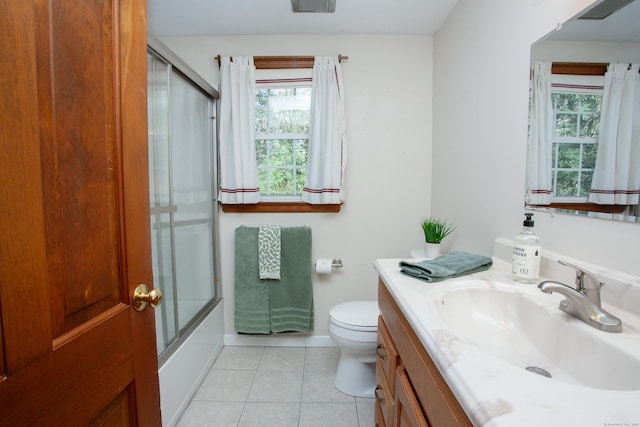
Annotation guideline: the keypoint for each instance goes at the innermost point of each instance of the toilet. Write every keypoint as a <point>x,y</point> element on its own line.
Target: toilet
<point>353,327</point>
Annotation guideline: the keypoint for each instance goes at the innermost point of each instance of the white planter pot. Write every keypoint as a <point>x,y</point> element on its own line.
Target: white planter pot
<point>431,250</point>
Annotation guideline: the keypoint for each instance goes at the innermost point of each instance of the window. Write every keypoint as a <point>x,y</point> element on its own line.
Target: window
<point>576,101</point>
<point>282,139</point>
<point>575,144</point>
<point>282,125</point>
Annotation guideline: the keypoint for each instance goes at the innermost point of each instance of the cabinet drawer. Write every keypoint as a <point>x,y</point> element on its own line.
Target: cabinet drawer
<point>379,417</point>
<point>408,411</point>
<point>384,396</point>
<point>387,355</point>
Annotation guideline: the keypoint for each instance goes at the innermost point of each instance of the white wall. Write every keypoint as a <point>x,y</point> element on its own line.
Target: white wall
<point>580,51</point>
<point>388,96</point>
<point>481,69</point>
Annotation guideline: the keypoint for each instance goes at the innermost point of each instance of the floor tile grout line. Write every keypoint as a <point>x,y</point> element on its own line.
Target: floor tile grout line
<point>304,366</point>
<point>246,398</point>
<point>309,360</point>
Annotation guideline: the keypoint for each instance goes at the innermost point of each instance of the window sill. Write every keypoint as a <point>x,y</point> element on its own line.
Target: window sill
<point>280,207</point>
<point>586,207</point>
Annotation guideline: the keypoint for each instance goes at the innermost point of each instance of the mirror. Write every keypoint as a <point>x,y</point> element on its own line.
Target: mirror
<point>586,44</point>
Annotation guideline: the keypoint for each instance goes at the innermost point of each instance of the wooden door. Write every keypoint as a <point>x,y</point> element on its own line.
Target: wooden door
<point>74,216</point>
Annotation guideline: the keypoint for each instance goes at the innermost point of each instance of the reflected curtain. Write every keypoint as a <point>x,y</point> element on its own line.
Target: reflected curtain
<point>327,140</point>
<point>539,147</point>
<point>238,168</point>
<point>616,178</point>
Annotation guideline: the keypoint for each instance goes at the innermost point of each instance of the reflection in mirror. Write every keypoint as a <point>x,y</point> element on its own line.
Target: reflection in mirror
<point>583,154</point>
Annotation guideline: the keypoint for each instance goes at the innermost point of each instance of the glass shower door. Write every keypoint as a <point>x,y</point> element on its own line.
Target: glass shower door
<point>182,215</point>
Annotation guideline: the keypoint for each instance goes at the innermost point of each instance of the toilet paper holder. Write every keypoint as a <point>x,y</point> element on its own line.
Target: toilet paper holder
<point>335,263</point>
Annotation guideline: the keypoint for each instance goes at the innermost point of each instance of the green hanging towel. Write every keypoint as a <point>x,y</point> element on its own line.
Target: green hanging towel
<point>291,297</point>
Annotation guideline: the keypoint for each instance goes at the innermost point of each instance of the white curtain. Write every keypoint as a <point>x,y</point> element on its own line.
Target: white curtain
<point>616,178</point>
<point>540,145</point>
<point>327,141</point>
<point>238,168</point>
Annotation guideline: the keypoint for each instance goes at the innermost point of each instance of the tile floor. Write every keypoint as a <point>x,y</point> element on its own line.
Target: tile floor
<point>275,387</point>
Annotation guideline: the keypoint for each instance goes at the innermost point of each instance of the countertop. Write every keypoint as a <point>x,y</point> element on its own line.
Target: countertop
<point>494,392</point>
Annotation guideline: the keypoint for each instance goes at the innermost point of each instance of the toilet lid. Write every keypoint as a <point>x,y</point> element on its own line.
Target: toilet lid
<point>356,314</point>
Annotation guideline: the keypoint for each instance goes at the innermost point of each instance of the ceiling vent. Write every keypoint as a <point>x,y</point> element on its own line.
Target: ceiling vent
<point>313,6</point>
<point>604,9</point>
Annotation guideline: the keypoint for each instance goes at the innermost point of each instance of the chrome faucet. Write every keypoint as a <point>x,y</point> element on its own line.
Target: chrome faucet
<point>583,302</point>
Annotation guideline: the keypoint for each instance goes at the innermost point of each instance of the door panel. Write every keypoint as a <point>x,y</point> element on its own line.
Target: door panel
<point>74,235</point>
<point>78,135</point>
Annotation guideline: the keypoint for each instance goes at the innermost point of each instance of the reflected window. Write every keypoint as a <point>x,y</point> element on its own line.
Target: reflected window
<point>575,144</point>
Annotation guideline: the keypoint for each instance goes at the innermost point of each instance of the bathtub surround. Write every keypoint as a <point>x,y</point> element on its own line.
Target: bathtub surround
<point>181,375</point>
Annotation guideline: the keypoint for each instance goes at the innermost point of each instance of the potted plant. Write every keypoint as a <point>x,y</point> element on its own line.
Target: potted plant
<point>435,230</point>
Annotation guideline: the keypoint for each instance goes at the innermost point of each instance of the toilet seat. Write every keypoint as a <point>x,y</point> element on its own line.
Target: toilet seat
<point>356,315</point>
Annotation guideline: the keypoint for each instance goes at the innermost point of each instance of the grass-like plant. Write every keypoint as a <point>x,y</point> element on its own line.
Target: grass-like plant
<point>436,229</point>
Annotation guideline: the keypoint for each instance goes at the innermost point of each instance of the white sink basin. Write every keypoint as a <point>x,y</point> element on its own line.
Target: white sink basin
<point>520,330</point>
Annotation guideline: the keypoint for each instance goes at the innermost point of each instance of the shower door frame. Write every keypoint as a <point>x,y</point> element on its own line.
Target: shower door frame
<point>160,51</point>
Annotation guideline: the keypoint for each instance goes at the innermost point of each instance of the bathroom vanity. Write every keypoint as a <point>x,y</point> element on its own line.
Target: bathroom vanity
<point>410,390</point>
<point>474,351</point>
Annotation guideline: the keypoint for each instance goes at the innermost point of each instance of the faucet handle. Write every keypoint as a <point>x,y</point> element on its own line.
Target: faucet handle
<point>585,280</point>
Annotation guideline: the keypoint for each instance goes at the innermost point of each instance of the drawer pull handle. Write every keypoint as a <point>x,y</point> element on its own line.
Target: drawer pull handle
<point>380,351</point>
<point>378,398</point>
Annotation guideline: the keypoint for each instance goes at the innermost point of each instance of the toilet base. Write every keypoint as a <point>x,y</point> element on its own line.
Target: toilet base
<point>354,377</point>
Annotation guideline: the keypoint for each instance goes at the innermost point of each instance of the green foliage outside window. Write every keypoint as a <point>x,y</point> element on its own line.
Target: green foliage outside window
<point>282,140</point>
<point>577,126</point>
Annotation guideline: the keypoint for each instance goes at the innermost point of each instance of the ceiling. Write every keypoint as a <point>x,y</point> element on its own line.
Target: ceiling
<point>622,27</point>
<point>178,18</point>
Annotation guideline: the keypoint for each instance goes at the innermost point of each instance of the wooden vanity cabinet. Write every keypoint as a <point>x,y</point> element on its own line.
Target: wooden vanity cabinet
<point>410,390</point>
<point>386,365</point>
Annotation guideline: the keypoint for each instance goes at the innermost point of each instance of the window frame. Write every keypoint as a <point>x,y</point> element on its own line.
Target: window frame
<point>581,141</point>
<point>302,83</point>
<point>581,69</point>
<point>273,205</point>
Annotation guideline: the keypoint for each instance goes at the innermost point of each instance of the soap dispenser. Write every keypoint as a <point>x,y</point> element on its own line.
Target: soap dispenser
<point>526,254</point>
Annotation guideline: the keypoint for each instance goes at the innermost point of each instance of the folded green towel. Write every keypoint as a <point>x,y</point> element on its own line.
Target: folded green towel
<point>450,265</point>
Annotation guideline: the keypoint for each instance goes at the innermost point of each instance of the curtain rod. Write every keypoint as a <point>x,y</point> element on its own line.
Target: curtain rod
<point>281,62</point>
<point>581,68</point>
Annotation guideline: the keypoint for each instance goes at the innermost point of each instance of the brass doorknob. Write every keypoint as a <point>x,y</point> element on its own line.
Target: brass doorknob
<point>142,297</point>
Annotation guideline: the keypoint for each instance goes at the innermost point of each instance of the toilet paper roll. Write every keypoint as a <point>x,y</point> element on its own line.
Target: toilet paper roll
<point>323,265</point>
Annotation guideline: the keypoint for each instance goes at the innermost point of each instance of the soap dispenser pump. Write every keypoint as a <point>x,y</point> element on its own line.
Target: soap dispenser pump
<point>526,254</point>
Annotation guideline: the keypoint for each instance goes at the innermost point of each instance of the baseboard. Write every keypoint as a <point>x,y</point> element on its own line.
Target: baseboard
<point>279,340</point>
